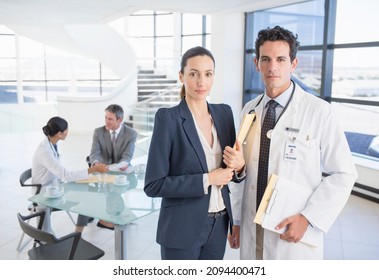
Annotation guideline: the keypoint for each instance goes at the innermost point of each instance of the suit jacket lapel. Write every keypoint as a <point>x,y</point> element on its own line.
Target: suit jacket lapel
<point>219,123</point>
<point>190,130</point>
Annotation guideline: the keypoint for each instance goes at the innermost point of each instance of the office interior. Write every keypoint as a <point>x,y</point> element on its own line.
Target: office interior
<point>72,60</point>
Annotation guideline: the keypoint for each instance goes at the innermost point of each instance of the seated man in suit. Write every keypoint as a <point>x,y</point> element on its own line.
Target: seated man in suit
<point>113,144</point>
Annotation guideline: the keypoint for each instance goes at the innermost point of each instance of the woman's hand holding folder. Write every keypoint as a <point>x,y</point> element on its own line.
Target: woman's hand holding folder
<point>233,157</point>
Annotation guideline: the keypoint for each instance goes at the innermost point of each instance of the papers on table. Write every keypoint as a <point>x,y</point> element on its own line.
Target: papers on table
<point>245,125</point>
<point>284,198</point>
<point>117,166</point>
<point>94,179</point>
<point>130,169</point>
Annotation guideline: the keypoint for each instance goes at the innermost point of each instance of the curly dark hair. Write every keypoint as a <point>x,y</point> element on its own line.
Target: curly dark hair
<point>277,33</point>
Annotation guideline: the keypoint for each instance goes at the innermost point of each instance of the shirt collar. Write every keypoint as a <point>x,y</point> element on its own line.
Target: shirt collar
<point>117,130</point>
<point>282,99</point>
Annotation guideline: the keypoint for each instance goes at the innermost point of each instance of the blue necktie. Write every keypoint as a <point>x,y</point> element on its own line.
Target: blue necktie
<point>264,151</point>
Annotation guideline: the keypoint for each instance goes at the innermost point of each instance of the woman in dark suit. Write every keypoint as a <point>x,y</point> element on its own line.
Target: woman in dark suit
<point>189,151</point>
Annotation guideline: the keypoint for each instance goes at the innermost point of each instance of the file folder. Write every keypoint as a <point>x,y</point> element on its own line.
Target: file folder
<point>281,199</point>
<point>244,128</point>
<point>92,178</point>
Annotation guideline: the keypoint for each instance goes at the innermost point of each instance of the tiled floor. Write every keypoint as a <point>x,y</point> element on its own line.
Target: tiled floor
<point>354,235</point>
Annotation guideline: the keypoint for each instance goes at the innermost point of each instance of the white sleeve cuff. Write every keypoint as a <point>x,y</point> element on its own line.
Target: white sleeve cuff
<point>205,183</point>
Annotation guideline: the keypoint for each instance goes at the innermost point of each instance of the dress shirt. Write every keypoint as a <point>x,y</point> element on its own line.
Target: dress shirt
<point>122,163</point>
<point>117,132</point>
<point>282,99</point>
<point>213,157</point>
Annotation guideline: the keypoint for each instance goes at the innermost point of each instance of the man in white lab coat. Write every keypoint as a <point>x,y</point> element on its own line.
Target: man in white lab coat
<point>307,125</point>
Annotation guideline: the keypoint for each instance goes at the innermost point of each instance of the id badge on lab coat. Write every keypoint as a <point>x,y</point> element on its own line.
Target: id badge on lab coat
<point>290,152</point>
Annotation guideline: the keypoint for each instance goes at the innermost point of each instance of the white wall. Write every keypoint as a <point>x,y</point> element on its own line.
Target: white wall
<point>228,50</point>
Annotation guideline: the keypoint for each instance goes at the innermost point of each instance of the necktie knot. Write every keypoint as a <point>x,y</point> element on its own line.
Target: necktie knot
<point>272,104</point>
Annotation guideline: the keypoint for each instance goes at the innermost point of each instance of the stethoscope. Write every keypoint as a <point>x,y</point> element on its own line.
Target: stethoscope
<point>285,108</point>
<point>55,152</point>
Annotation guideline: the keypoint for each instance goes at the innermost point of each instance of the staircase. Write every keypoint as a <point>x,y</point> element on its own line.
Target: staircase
<point>149,83</point>
<point>154,91</point>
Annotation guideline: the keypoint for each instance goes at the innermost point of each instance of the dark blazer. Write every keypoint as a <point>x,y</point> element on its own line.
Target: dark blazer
<point>101,149</point>
<point>175,167</point>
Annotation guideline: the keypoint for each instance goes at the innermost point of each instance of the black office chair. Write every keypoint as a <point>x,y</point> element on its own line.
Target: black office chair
<point>24,179</point>
<point>47,247</point>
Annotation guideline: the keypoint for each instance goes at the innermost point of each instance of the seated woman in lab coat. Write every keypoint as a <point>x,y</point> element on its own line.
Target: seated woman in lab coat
<point>47,168</point>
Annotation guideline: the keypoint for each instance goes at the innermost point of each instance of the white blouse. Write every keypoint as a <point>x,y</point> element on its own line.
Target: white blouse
<point>213,157</point>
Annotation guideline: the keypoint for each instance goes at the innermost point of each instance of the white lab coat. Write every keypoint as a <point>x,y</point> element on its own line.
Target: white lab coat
<point>321,147</point>
<point>46,166</point>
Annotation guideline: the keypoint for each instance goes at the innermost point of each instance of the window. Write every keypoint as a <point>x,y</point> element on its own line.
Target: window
<point>344,69</point>
<point>195,31</point>
<point>8,66</point>
<point>154,36</point>
<point>355,21</point>
<point>40,72</point>
<point>305,19</point>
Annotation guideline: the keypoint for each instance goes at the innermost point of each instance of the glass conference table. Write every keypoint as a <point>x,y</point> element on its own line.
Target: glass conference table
<point>119,204</point>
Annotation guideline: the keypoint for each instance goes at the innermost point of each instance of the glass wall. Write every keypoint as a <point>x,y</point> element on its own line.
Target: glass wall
<point>33,72</point>
<point>196,30</point>
<point>337,60</point>
<point>8,66</point>
<point>151,35</point>
<point>307,20</point>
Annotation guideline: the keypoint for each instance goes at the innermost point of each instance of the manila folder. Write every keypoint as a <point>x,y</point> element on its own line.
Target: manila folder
<point>245,125</point>
<point>284,198</point>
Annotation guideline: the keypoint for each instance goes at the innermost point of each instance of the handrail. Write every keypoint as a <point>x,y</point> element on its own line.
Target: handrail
<point>144,111</point>
<point>155,95</point>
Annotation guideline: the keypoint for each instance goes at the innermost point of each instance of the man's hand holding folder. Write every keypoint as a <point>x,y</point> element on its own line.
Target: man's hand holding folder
<point>296,226</point>
<point>280,210</point>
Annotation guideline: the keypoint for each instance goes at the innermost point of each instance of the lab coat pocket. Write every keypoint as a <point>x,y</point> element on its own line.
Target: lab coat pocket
<point>307,143</point>
<point>299,148</point>
<point>307,153</point>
